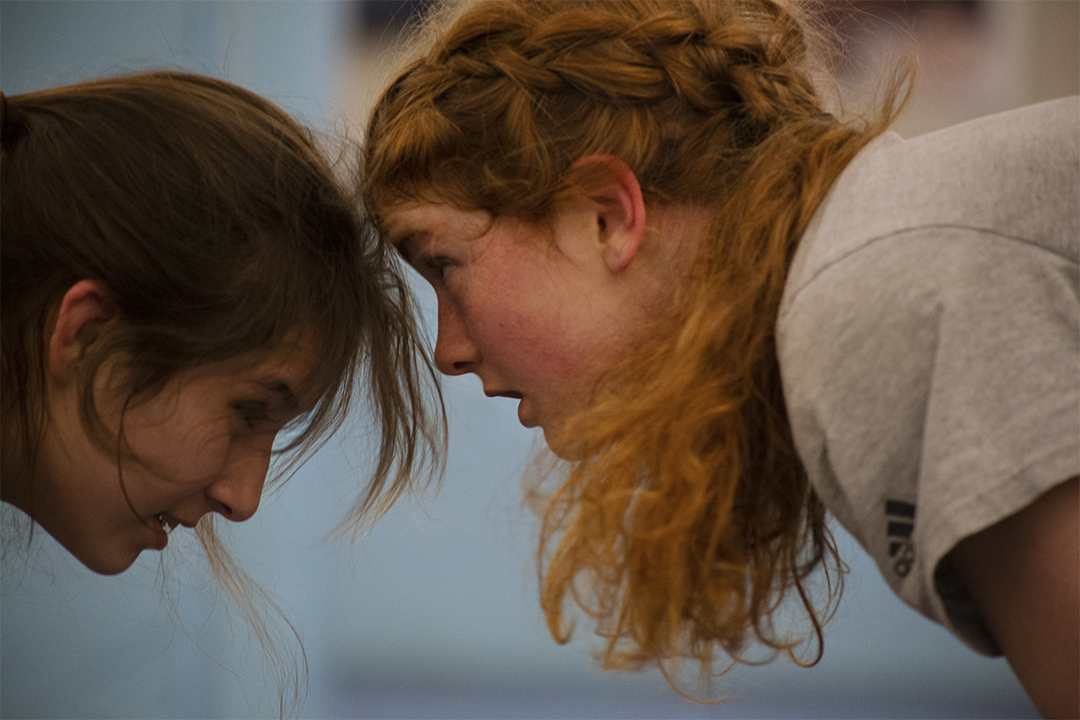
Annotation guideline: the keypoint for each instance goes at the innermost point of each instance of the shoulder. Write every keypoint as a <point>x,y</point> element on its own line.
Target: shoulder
<point>944,283</point>
<point>1016,174</point>
<point>976,223</point>
<point>936,369</point>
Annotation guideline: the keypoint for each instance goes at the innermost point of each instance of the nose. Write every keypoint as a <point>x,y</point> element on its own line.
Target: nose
<point>455,352</point>
<point>237,492</point>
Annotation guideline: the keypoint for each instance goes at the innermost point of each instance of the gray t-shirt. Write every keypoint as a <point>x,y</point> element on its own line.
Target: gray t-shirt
<point>929,342</point>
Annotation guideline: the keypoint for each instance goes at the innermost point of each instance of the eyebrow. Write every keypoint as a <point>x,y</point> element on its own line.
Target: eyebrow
<point>406,246</point>
<point>288,399</point>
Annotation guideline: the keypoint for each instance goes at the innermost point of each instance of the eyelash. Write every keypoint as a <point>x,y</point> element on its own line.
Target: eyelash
<point>252,412</point>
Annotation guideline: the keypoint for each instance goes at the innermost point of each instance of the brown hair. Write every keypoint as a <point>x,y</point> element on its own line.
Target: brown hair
<point>219,228</point>
<point>690,517</point>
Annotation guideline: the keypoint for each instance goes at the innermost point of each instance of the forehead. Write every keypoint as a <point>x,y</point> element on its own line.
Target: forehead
<point>292,370</point>
<point>297,364</point>
<point>408,223</point>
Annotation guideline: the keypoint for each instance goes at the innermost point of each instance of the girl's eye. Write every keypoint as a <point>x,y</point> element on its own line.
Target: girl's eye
<point>253,412</point>
<point>440,267</point>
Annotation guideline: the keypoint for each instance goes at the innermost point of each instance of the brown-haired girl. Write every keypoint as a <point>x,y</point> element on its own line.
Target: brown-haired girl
<point>732,312</point>
<point>185,280</point>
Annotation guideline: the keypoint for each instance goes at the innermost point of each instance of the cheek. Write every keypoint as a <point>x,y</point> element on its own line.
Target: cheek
<point>529,328</point>
<point>180,453</point>
<point>535,345</point>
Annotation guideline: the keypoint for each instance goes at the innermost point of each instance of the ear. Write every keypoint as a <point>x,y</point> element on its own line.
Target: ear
<point>84,311</point>
<point>620,210</point>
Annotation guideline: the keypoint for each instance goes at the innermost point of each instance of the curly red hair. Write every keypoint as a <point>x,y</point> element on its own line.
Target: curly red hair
<point>689,518</point>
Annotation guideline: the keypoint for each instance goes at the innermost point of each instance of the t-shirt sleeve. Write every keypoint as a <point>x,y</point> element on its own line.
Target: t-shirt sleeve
<point>933,383</point>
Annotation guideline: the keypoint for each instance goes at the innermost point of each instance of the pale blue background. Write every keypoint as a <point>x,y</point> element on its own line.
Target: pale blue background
<point>434,613</point>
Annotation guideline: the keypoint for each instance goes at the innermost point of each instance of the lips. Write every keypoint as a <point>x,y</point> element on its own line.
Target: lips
<point>170,522</point>
<point>163,524</point>
<point>526,413</point>
<point>160,529</point>
<point>503,393</point>
<point>167,522</point>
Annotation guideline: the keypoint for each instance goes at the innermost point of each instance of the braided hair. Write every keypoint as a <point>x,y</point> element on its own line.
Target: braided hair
<point>689,518</point>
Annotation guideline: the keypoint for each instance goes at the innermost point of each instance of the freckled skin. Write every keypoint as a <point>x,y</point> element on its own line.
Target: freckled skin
<point>534,310</point>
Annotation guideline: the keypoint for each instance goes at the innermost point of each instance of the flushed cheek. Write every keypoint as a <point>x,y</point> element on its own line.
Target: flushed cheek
<point>528,350</point>
<point>551,378</point>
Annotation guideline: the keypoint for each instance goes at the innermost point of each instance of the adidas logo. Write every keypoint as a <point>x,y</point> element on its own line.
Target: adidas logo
<point>901,524</point>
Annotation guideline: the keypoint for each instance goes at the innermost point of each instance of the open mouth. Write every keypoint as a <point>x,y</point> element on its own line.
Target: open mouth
<point>167,523</point>
<point>505,394</point>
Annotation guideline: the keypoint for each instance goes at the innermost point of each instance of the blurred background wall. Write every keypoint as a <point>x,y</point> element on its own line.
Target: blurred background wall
<point>434,612</point>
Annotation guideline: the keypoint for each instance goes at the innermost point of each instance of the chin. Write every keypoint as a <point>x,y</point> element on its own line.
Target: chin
<point>564,447</point>
<point>100,552</point>
<point>104,562</point>
<point>108,566</point>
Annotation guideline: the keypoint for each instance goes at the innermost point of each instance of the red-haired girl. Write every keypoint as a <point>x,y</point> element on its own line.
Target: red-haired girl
<point>732,313</point>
